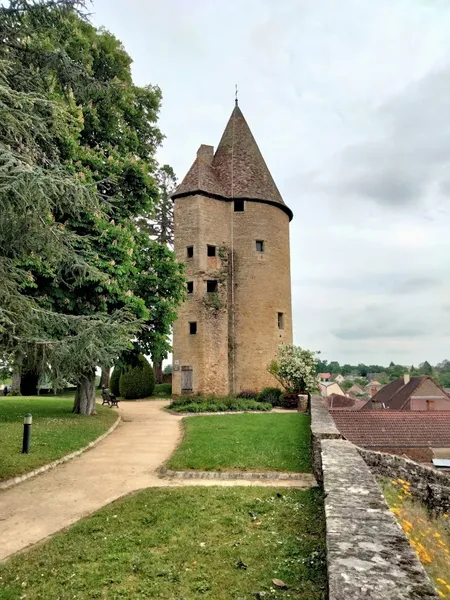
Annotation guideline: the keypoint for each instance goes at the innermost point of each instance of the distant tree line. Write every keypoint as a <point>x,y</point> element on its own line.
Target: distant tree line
<point>439,372</point>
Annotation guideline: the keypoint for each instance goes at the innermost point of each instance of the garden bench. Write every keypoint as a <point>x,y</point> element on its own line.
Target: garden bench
<point>109,398</point>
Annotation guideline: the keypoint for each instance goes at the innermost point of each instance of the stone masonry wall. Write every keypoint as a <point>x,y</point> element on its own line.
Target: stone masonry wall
<point>199,222</point>
<point>368,556</point>
<point>237,328</point>
<point>427,485</point>
<point>262,290</point>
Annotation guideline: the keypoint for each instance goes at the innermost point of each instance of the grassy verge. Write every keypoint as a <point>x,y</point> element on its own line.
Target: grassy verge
<point>197,404</point>
<point>273,442</point>
<point>55,431</point>
<point>191,543</point>
<point>430,537</point>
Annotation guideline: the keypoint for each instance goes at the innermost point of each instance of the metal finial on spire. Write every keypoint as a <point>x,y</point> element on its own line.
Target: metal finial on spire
<point>236,95</point>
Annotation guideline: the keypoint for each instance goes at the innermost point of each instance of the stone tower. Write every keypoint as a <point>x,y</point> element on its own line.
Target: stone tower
<point>232,233</point>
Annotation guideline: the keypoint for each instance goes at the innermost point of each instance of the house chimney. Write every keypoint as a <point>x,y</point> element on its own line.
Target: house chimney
<point>406,378</point>
<point>206,153</point>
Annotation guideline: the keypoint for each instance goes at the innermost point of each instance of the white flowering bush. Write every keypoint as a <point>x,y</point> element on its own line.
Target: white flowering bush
<point>295,368</point>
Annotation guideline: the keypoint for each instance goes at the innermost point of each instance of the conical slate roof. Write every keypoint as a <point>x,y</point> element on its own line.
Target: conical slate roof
<point>200,177</point>
<point>240,165</point>
<point>236,170</point>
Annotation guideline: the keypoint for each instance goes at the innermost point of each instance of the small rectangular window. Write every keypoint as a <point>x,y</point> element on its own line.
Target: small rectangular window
<point>190,287</point>
<point>211,286</point>
<point>193,328</point>
<point>190,251</point>
<point>259,246</point>
<point>211,250</point>
<point>280,320</point>
<point>238,206</point>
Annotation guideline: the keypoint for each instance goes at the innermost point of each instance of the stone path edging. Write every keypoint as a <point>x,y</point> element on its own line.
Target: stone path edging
<point>8,483</point>
<point>305,477</point>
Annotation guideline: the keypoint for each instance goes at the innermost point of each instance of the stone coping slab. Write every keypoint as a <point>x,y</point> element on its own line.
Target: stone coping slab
<point>368,556</point>
<point>307,479</point>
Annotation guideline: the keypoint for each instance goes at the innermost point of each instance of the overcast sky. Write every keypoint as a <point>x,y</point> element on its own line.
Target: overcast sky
<point>349,101</point>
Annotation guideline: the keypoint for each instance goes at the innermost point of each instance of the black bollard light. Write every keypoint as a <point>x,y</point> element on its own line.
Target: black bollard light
<point>27,420</point>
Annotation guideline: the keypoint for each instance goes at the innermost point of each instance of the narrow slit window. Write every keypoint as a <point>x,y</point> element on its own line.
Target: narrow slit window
<point>211,250</point>
<point>193,328</point>
<point>238,206</point>
<point>211,286</point>
<point>280,320</point>
<point>190,287</point>
<point>190,251</point>
<point>259,246</point>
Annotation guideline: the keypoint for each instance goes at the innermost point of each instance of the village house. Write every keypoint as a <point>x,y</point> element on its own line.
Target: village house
<point>373,387</point>
<point>356,390</point>
<point>330,387</point>
<point>324,376</point>
<point>419,393</point>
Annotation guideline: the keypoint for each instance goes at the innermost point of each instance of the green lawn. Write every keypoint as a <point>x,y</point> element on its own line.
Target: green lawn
<point>268,442</point>
<point>55,431</point>
<point>174,544</point>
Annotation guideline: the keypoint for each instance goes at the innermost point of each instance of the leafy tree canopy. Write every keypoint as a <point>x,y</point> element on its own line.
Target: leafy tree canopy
<point>92,157</point>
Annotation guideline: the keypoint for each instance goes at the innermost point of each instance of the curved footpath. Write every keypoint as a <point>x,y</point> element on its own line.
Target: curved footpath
<point>125,461</point>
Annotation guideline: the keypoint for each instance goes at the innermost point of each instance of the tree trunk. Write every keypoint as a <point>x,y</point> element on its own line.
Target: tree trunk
<point>85,397</point>
<point>16,376</point>
<point>158,371</point>
<point>29,382</point>
<point>106,376</point>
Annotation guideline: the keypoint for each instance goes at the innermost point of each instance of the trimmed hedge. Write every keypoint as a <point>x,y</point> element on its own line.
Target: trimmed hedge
<point>137,381</point>
<point>197,404</point>
<point>289,401</point>
<point>114,381</point>
<point>270,394</point>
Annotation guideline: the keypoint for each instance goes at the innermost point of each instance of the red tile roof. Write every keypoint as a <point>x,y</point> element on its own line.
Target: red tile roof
<point>338,402</point>
<point>325,375</point>
<point>399,429</point>
<point>396,394</point>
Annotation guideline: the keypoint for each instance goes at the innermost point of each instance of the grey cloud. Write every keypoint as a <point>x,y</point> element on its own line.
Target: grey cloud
<point>379,283</point>
<point>369,331</point>
<point>377,322</point>
<point>413,148</point>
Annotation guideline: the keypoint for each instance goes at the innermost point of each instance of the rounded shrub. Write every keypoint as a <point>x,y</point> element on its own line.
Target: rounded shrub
<point>270,394</point>
<point>247,394</point>
<point>114,381</point>
<point>138,380</point>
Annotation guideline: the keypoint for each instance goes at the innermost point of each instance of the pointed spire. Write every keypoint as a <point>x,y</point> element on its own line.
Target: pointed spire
<point>236,170</point>
<point>239,164</point>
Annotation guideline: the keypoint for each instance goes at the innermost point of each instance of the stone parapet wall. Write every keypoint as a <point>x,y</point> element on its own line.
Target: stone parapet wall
<point>322,428</point>
<point>368,556</point>
<point>427,484</point>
